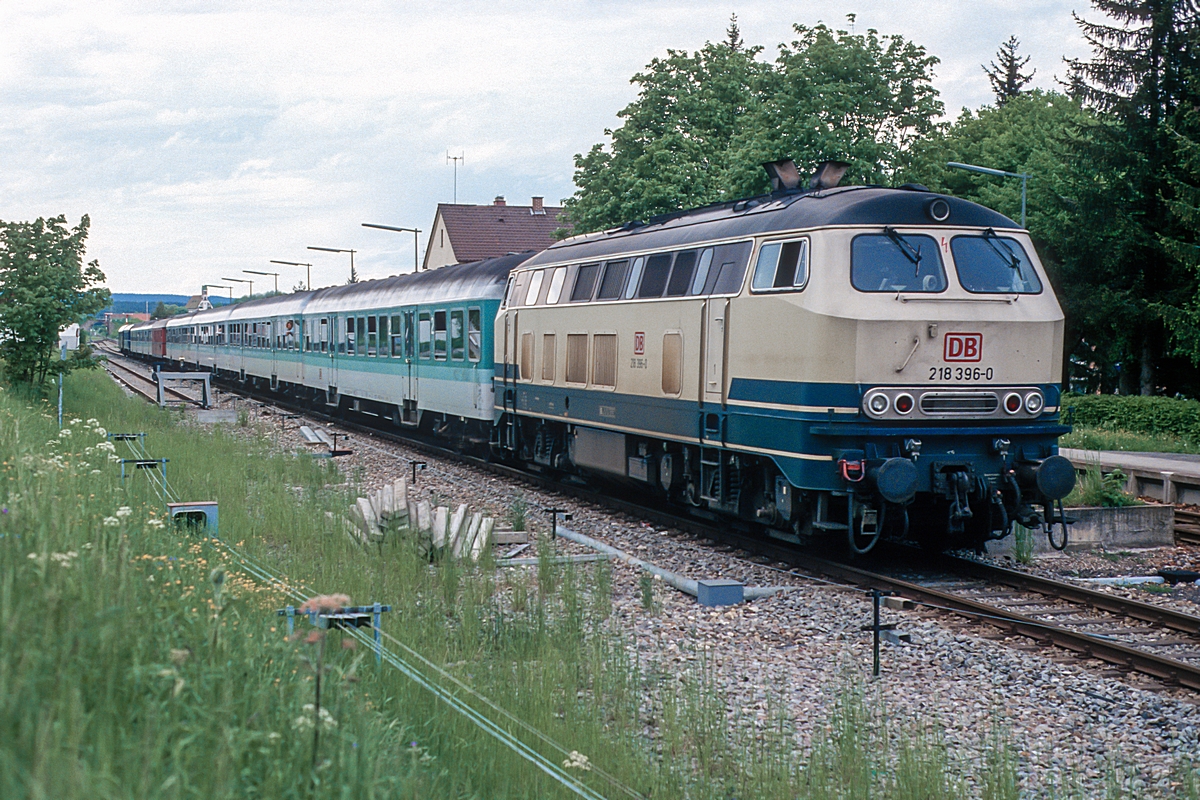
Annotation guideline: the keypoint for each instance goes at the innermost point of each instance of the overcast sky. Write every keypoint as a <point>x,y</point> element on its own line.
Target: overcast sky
<point>205,138</point>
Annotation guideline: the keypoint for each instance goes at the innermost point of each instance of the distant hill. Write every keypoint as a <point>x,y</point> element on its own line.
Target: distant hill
<point>130,303</point>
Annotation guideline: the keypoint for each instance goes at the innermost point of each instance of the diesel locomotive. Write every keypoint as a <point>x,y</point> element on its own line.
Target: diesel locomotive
<point>852,362</point>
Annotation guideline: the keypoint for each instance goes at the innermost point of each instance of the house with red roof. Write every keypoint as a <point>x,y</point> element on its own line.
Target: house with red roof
<point>463,233</point>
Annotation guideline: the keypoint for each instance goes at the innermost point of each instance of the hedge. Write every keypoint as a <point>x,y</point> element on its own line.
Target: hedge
<point>1155,416</point>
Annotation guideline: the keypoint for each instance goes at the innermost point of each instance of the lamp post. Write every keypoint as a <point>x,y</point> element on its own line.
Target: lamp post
<point>242,280</point>
<point>999,173</point>
<point>416,232</point>
<point>256,272</point>
<point>338,250</point>
<point>208,286</point>
<point>308,283</point>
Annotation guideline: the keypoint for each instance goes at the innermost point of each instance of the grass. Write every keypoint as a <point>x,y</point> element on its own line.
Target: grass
<point>131,667</point>
<point>1092,438</point>
<point>1099,489</point>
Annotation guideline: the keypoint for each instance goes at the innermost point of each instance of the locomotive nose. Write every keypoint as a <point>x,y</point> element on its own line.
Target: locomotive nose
<point>1055,477</point>
<point>896,480</point>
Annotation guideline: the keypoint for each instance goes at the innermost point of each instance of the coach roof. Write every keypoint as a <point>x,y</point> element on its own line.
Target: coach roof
<point>846,206</point>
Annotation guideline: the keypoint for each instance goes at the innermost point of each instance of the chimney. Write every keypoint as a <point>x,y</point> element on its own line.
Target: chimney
<point>499,201</point>
<point>538,207</point>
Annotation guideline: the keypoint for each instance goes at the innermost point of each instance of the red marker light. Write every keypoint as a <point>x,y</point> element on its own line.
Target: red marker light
<point>904,403</point>
<point>1012,403</point>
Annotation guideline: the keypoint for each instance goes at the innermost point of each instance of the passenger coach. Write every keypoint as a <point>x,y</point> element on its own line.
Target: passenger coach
<point>854,361</point>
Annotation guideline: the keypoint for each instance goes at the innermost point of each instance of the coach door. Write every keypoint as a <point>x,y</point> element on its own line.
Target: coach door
<point>411,379</point>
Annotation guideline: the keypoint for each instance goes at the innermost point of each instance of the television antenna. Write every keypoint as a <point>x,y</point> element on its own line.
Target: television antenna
<point>460,157</point>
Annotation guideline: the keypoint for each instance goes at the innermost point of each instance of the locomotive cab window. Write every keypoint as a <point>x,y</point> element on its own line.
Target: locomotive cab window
<point>535,287</point>
<point>556,285</point>
<point>585,282</point>
<point>896,262</point>
<point>655,275</point>
<point>781,266</point>
<point>991,264</point>
<point>681,275</point>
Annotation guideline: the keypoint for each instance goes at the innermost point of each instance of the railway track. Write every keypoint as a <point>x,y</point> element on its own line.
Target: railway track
<point>1129,635</point>
<point>136,380</point>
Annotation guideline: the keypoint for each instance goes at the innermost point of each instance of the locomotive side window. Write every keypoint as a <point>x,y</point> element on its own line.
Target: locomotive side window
<point>604,359</point>
<point>635,275</point>
<point>577,350</point>
<point>556,285</point>
<point>702,270</point>
<point>993,264</point>
<point>781,266</point>
<point>585,281</point>
<point>425,334</point>
<point>672,363</point>
<point>613,281</point>
<point>474,334</point>
<point>655,275</point>
<point>895,262</point>
<point>457,348</point>
<point>535,286</point>
<point>733,259</point>
<point>521,288</point>
<point>439,335</point>
<point>681,275</point>
<point>526,365</point>
<point>549,354</point>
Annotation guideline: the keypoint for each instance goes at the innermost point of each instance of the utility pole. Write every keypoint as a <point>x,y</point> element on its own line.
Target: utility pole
<point>416,232</point>
<point>460,157</point>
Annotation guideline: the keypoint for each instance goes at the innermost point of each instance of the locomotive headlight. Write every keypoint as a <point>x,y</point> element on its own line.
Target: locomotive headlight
<point>1012,402</point>
<point>1034,402</point>
<point>904,403</point>
<point>878,403</point>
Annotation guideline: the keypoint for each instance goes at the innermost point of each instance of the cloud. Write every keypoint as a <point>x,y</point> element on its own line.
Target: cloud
<point>205,137</point>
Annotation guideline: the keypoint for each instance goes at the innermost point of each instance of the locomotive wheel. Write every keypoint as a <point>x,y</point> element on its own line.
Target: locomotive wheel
<point>862,543</point>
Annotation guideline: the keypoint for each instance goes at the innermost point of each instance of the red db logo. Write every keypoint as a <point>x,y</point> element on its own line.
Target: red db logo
<point>639,344</point>
<point>963,347</point>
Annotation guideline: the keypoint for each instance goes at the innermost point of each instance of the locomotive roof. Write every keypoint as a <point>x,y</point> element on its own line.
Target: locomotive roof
<point>843,206</point>
<point>478,280</point>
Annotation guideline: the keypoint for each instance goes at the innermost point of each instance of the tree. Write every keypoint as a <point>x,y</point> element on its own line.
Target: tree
<point>44,286</point>
<point>1142,75</point>
<point>1006,77</point>
<point>704,122</point>
<point>353,276</point>
<point>165,310</point>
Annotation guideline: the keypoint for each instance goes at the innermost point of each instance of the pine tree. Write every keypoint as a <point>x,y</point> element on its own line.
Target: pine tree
<point>353,275</point>
<point>1141,75</point>
<point>1006,77</point>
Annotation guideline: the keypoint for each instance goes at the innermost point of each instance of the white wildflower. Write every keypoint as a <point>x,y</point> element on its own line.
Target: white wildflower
<point>327,720</point>
<point>75,421</point>
<point>113,457</point>
<point>101,432</point>
<point>64,559</point>
<point>111,522</point>
<point>65,432</point>
<point>124,511</point>
<point>154,523</point>
<point>273,737</point>
<point>93,421</point>
<point>108,446</point>
<point>94,472</point>
<point>577,760</point>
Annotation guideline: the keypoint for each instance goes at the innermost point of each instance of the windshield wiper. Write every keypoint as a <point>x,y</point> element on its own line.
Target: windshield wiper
<point>911,253</point>
<point>1007,255</point>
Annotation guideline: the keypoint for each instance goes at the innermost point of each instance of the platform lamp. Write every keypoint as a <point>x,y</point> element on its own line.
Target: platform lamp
<point>242,280</point>
<point>256,272</point>
<point>338,250</point>
<point>999,173</point>
<point>308,283</point>
<point>416,232</point>
<point>208,286</point>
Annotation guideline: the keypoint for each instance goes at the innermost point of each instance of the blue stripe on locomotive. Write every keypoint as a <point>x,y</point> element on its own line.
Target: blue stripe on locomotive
<point>804,444</point>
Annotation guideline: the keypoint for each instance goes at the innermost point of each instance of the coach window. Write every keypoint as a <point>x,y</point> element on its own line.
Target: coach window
<point>323,334</point>
<point>425,334</point>
<point>410,333</point>
<point>474,334</point>
<point>635,275</point>
<point>896,262</point>
<point>351,337</point>
<point>993,264</point>
<point>585,282</point>
<point>654,278</point>
<point>535,286</point>
<point>397,338</point>
<point>339,325</point>
<point>457,339</point>
<point>556,284</point>
<point>382,351</point>
<point>372,335</point>
<point>362,336</point>
<point>781,266</point>
<point>613,281</point>
<point>681,275</point>
<point>439,335</point>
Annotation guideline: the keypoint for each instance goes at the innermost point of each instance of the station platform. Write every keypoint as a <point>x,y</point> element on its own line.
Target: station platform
<point>1166,477</point>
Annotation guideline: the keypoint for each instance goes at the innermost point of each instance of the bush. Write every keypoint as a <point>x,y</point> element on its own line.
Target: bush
<point>1156,416</point>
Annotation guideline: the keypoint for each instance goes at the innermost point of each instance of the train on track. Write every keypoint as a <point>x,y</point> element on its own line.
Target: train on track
<point>854,362</point>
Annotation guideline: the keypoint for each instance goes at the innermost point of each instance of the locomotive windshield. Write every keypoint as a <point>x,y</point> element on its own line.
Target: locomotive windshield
<point>892,262</point>
<point>993,264</point>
